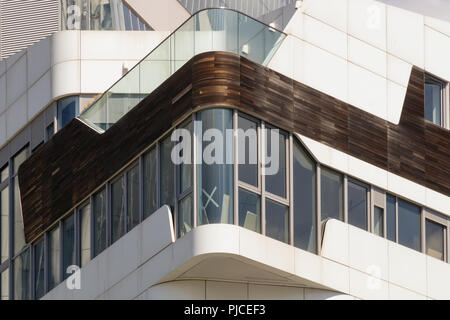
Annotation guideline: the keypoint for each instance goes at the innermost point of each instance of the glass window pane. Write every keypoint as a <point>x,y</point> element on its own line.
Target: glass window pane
<point>391,221</point>
<point>127,18</point>
<point>357,205</point>
<point>4,174</point>
<point>215,176</point>
<point>185,216</point>
<point>68,108</point>
<point>19,159</point>
<point>378,221</point>
<point>277,221</point>
<point>22,276</point>
<point>133,198</point>
<point>69,256</point>
<point>99,222</point>
<point>248,151</point>
<point>331,195</point>
<point>249,210</point>
<point>409,225</point>
<point>54,276</point>
<point>118,209</point>
<point>85,217</point>
<point>50,131</point>
<point>4,206</point>
<point>39,288</point>
<point>150,183</point>
<point>19,235</point>
<point>186,168</point>
<point>433,103</point>
<point>275,179</point>
<point>304,200</point>
<point>4,294</point>
<point>435,237</point>
<point>166,174</point>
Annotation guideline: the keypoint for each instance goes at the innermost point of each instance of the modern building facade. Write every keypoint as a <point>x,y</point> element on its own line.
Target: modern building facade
<point>351,97</point>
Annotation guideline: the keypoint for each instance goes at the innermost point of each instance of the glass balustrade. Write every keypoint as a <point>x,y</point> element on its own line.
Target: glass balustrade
<point>208,30</point>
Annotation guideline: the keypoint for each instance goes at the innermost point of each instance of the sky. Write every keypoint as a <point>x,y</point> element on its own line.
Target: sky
<point>434,8</point>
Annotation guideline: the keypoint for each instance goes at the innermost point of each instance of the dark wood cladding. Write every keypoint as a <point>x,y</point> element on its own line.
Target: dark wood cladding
<point>78,160</point>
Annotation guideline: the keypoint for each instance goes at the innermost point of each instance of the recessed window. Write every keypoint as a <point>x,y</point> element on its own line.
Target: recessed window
<point>99,211</point>
<point>118,208</point>
<point>68,108</point>
<point>4,174</point>
<point>331,195</point>
<point>357,205</point>
<point>409,225</point>
<point>85,234</point>
<point>133,198</point>
<point>435,100</point>
<point>391,218</point>
<point>69,256</point>
<point>378,221</point>
<point>435,239</point>
<point>54,250</point>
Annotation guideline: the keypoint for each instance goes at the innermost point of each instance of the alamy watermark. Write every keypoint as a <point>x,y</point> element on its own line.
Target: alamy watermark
<point>215,146</point>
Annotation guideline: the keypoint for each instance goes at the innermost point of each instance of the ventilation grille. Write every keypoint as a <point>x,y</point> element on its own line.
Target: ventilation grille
<point>24,22</point>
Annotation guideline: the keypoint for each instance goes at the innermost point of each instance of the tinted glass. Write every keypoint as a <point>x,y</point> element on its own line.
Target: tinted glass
<point>166,174</point>
<point>378,221</point>
<point>186,168</point>
<point>68,108</point>
<point>19,235</point>
<point>248,151</point>
<point>150,183</point>
<point>133,198</point>
<point>391,224</point>
<point>185,216</point>
<point>99,222</point>
<point>4,290</point>
<point>39,287</point>
<point>409,225</point>
<point>4,224</point>
<point>22,276</point>
<point>85,217</point>
<point>249,210</point>
<point>435,238</point>
<point>69,256</point>
<point>357,205</point>
<point>215,176</point>
<point>304,200</point>
<point>276,180</point>
<point>118,208</point>
<point>331,194</point>
<point>54,276</point>
<point>277,221</point>
<point>433,103</point>
<point>4,174</point>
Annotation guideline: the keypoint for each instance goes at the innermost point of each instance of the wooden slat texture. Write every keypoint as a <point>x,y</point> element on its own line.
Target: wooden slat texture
<point>78,160</point>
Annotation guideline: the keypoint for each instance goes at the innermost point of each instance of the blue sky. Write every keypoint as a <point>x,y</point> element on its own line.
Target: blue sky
<point>434,8</point>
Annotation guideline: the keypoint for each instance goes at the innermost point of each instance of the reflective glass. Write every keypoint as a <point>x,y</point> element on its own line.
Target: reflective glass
<point>85,217</point>
<point>68,108</point>
<point>4,290</point>
<point>409,225</point>
<point>118,209</point>
<point>133,198</point>
<point>166,174</point>
<point>378,221</point>
<point>357,205</point>
<point>19,235</point>
<point>4,224</point>
<point>54,243</point>
<point>4,174</point>
<point>249,210</point>
<point>99,211</point>
<point>304,200</point>
<point>433,102</point>
<point>391,220</point>
<point>22,276</point>
<point>331,195</point>
<point>248,151</point>
<point>215,175</point>
<point>277,221</point>
<point>39,269</point>
<point>69,255</point>
<point>275,169</point>
<point>435,239</point>
<point>186,168</point>
<point>185,216</point>
<point>150,183</point>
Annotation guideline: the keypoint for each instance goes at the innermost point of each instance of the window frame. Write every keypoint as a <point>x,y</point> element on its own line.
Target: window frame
<point>439,219</point>
<point>445,95</point>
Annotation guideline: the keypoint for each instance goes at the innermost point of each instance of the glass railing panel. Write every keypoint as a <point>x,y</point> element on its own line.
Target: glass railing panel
<point>208,30</point>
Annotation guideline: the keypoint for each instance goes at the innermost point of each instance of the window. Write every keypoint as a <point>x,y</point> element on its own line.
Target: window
<point>99,211</point>
<point>248,151</point>
<point>391,218</point>
<point>69,254</point>
<point>4,283</point>
<point>276,183</point>
<point>150,183</point>
<point>357,205</point>
<point>22,276</point>
<point>133,198</point>
<point>435,239</point>
<point>277,221</point>
<point>167,173</point>
<point>19,236</point>
<point>85,230</point>
<point>68,108</point>
<point>249,210</point>
<point>378,221</point>
<point>4,224</point>
<point>39,269</point>
<point>185,216</point>
<point>409,225</point>
<point>215,175</point>
<point>50,131</point>
<point>304,199</point>
<point>331,195</point>
<point>54,274</point>
<point>4,174</point>
<point>185,175</point>
<point>435,100</point>
<point>118,208</point>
